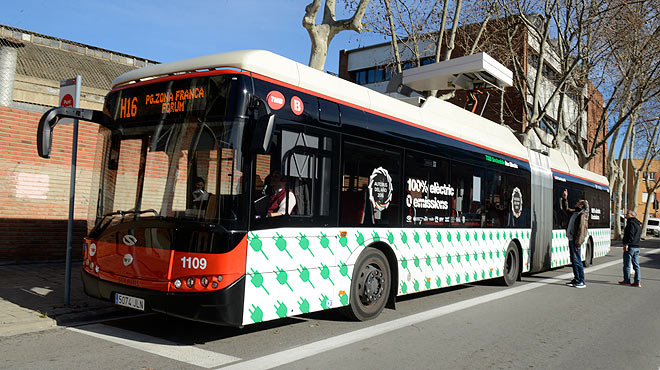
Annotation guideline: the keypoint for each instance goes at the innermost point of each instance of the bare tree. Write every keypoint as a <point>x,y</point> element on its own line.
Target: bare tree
<point>634,36</point>
<point>406,23</point>
<point>418,29</point>
<point>573,51</point>
<point>651,140</point>
<point>322,34</point>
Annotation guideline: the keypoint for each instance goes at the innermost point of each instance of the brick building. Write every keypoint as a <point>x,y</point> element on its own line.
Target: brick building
<point>34,192</point>
<point>643,196</point>
<point>371,66</point>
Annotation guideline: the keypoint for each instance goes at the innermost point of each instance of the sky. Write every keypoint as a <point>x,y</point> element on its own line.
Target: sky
<point>167,30</point>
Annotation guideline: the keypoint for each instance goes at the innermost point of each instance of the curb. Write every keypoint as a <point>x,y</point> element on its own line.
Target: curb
<point>27,326</point>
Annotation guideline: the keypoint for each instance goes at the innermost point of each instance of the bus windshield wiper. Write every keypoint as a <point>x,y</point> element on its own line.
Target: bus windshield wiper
<point>110,216</point>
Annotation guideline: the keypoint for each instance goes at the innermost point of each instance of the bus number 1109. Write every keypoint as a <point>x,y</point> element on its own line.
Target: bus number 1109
<point>194,263</point>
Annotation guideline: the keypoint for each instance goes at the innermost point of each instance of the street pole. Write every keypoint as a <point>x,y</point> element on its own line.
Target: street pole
<point>625,184</point>
<point>72,198</point>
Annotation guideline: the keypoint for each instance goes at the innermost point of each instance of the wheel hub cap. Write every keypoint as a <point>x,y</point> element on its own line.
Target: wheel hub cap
<point>373,282</point>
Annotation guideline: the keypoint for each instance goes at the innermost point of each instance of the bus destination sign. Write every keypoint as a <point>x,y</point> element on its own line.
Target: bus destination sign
<point>165,102</point>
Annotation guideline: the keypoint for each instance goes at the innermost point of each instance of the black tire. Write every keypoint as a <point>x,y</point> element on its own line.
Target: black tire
<point>589,255</point>
<point>511,267</point>
<point>370,286</point>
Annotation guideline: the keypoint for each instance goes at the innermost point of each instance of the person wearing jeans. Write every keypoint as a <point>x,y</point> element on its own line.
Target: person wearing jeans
<point>576,232</point>
<point>631,237</point>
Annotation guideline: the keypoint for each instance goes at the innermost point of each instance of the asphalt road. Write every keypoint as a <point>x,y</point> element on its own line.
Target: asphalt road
<point>539,323</point>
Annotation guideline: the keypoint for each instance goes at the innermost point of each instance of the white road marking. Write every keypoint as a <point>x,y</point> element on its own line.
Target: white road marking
<point>184,353</point>
<point>311,349</point>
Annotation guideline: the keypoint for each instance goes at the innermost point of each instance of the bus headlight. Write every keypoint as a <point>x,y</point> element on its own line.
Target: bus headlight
<point>177,283</point>
<point>204,281</point>
<point>190,282</point>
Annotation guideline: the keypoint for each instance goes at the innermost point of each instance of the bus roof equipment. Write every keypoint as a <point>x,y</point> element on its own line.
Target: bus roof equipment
<point>459,73</point>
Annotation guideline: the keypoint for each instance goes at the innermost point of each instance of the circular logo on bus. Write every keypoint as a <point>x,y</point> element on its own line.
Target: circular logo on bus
<point>297,106</point>
<point>380,188</point>
<point>129,239</point>
<point>275,100</point>
<point>516,202</point>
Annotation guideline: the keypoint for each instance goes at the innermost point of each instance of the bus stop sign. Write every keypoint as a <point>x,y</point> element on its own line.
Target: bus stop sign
<point>67,97</point>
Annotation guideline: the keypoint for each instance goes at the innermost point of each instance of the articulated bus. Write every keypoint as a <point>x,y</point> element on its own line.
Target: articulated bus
<point>382,198</point>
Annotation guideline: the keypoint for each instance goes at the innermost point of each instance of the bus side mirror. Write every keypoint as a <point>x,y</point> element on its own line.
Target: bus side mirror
<point>45,133</point>
<point>264,123</point>
<point>264,132</point>
<point>49,120</point>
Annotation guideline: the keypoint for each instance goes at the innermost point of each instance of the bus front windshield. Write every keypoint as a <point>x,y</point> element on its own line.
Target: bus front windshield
<point>185,164</point>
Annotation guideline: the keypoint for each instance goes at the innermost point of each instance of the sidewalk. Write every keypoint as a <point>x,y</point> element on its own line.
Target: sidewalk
<point>32,299</point>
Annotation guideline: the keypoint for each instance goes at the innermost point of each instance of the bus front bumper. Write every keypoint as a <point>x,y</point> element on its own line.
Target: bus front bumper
<point>224,307</point>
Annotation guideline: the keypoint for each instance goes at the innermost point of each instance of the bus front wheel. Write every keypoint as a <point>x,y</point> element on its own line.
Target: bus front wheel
<point>370,286</point>
<point>511,265</point>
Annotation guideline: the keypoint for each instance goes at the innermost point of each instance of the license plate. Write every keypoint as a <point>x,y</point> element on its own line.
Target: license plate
<point>128,301</point>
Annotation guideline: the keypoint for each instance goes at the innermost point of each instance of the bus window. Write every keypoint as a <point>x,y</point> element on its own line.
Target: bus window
<point>371,186</point>
<point>494,194</point>
<point>517,201</point>
<point>294,179</point>
<point>428,192</point>
<point>328,112</point>
<point>466,181</point>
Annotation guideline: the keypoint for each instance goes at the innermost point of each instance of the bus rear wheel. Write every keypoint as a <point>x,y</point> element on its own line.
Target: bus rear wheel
<point>511,265</point>
<point>370,286</point>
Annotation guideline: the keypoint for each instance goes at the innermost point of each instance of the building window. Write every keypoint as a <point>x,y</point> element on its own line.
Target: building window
<point>548,125</point>
<point>650,175</point>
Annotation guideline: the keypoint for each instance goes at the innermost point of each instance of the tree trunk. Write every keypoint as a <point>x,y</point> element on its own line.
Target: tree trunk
<point>395,40</point>
<point>618,204</point>
<point>322,34</point>
<point>320,42</point>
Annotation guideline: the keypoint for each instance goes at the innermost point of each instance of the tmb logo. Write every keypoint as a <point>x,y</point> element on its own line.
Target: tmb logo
<point>275,100</point>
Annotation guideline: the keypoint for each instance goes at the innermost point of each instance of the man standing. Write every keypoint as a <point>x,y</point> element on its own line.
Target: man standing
<point>631,235</point>
<point>576,232</point>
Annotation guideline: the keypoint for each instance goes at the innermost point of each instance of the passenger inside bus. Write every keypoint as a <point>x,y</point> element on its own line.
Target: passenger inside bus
<point>200,198</point>
<point>282,201</point>
<point>200,195</point>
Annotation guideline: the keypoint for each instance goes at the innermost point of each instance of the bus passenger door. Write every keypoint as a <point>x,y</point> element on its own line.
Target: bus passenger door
<point>542,217</point>
<point>291,264</point>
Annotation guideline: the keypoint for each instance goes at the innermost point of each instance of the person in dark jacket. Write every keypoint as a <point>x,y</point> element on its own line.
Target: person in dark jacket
<point>631,236</point>
<point>576,232</point>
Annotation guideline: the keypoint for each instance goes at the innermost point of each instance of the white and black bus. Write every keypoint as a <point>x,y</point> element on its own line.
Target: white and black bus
<point>243,187</point>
